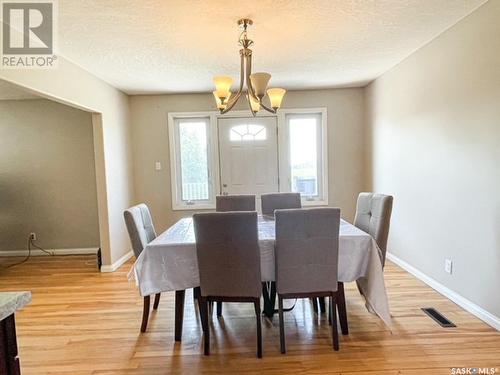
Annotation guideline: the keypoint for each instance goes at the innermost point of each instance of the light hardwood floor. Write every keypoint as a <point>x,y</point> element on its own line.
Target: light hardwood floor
<point>85,322</point>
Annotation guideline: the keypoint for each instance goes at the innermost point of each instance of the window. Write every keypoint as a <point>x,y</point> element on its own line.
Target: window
<point>194,159</point>
<point>304,155</point>
<point>191,160</point>
<point>249,132</point>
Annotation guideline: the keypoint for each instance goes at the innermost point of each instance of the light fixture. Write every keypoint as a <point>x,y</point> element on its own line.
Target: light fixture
<point>256,83</point>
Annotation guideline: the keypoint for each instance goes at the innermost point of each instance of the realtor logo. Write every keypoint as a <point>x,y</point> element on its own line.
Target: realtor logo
<point>28,30</point>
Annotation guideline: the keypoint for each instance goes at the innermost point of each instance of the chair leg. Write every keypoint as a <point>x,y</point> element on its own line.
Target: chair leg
<point>211,309</point>
<point>196,293</point>
<point>315,304</point>
<point>200,309</point>
<point>179,313</point>
<point>219,309</point>
<point>333,314</point>
<point>342,309</point>
<point>157,301</point>
<point>322,304</point>
<point>282,325</point>
<point>259,328</point>
<point>145,313</point>
<point>204,319</point>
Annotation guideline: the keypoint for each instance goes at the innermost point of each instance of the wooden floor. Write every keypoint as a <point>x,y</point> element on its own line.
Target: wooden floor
<point>85,322</point>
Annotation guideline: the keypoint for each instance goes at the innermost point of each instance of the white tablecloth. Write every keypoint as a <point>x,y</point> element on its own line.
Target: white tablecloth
<point>169,262</point>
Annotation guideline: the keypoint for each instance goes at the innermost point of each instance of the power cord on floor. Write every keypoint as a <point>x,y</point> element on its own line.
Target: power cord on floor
<point>30,244</point>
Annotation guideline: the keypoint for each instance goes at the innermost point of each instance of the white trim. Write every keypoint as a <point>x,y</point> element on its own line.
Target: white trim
<point>463,302</point>
<point>213,178</point>
<point>284,153</point>
<point>214,154</point>
<point>37,252</point>
<point>114,266</point>
<point>238,114</point>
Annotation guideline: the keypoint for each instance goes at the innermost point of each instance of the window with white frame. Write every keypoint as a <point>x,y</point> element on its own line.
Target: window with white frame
<point>191,159</point>
<point>305,154</point>
<point>194,155</point>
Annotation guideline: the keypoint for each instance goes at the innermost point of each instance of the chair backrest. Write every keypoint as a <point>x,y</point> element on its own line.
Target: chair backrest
<point>228,254</point>
<point>140,227</point>
<point>373,215</point>
<point>224,203</point>
<point>279,201</point>
<point>307,250</point>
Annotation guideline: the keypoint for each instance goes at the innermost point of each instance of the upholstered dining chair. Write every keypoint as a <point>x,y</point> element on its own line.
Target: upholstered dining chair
<point>373,215</point>
<point>277,201</point>
<point>229,264</point>
<point>307,253</point>
<point>226,203</point>
<point>141,231</point>
<point>243,202</point>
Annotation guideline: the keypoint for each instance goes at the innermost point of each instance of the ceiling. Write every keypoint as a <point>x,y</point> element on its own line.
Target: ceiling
<point>158,46</point>
<point>9,91</point>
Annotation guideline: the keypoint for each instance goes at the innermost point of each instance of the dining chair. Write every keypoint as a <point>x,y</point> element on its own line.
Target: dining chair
<point>373,215</point>
<point>229,264</point>
<point>306,260</point>
<point>141,231</point>
<point>226,203</point>
<point>243,202</point>
<point>276,201</point>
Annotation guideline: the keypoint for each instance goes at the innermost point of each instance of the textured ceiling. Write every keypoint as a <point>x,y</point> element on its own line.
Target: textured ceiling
<point>8,91</point>
<point>158,46</point>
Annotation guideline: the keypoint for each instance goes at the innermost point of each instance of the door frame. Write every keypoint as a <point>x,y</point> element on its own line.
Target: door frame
<point>244,114</point>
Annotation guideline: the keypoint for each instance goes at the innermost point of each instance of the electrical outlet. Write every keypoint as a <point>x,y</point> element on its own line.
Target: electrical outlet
<point>448,264</point>
<point>33,236</point>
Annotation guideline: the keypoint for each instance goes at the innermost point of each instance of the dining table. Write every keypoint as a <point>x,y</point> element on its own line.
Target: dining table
<point>169,263</point>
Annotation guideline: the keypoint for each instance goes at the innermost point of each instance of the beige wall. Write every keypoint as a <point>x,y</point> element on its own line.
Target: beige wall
<point>70,84</point>
<point>150,144</point>
<point>47,176</point>
<point>434,135</point>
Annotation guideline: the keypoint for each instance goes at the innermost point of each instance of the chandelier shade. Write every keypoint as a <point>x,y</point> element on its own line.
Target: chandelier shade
<point>220,105</point>
<point>256,83</point>
<point>259,83</point>
<point>276,96</point>
<point>223,86</point>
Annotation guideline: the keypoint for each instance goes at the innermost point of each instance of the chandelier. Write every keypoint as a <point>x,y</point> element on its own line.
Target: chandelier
<point>256,83</point>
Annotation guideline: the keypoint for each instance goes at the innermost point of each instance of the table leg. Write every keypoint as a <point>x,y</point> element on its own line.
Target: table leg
<point>179,313</point>
<point>269,294</point>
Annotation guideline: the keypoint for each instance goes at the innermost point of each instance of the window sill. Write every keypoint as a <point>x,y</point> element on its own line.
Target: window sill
<point>193,207</point>
<point>314,203</point>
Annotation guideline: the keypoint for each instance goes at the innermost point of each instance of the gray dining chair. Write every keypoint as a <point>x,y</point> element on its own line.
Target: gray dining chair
<point>306,260</point>
<point>276,201</point>
<point>242,202</point>
<point>373,215</point>
<point>229,264</point>
<point>141,231</point>
<point>226,203</point>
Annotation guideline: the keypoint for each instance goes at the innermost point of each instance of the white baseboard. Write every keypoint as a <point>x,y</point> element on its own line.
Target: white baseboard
<point>37,252</point>
<point>114,266</point>
<point>463,302</point>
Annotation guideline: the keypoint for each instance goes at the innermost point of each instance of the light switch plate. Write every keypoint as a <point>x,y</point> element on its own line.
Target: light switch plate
<point>158,166</point>
<point>448,266</point>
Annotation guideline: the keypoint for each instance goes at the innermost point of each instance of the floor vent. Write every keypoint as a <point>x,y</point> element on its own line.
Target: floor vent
<point>438,317</point>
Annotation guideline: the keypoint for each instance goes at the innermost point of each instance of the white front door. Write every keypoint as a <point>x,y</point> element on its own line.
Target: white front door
<point>248,156</point>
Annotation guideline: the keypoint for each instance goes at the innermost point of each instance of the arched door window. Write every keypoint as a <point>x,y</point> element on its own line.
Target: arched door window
<point>239,133</point>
